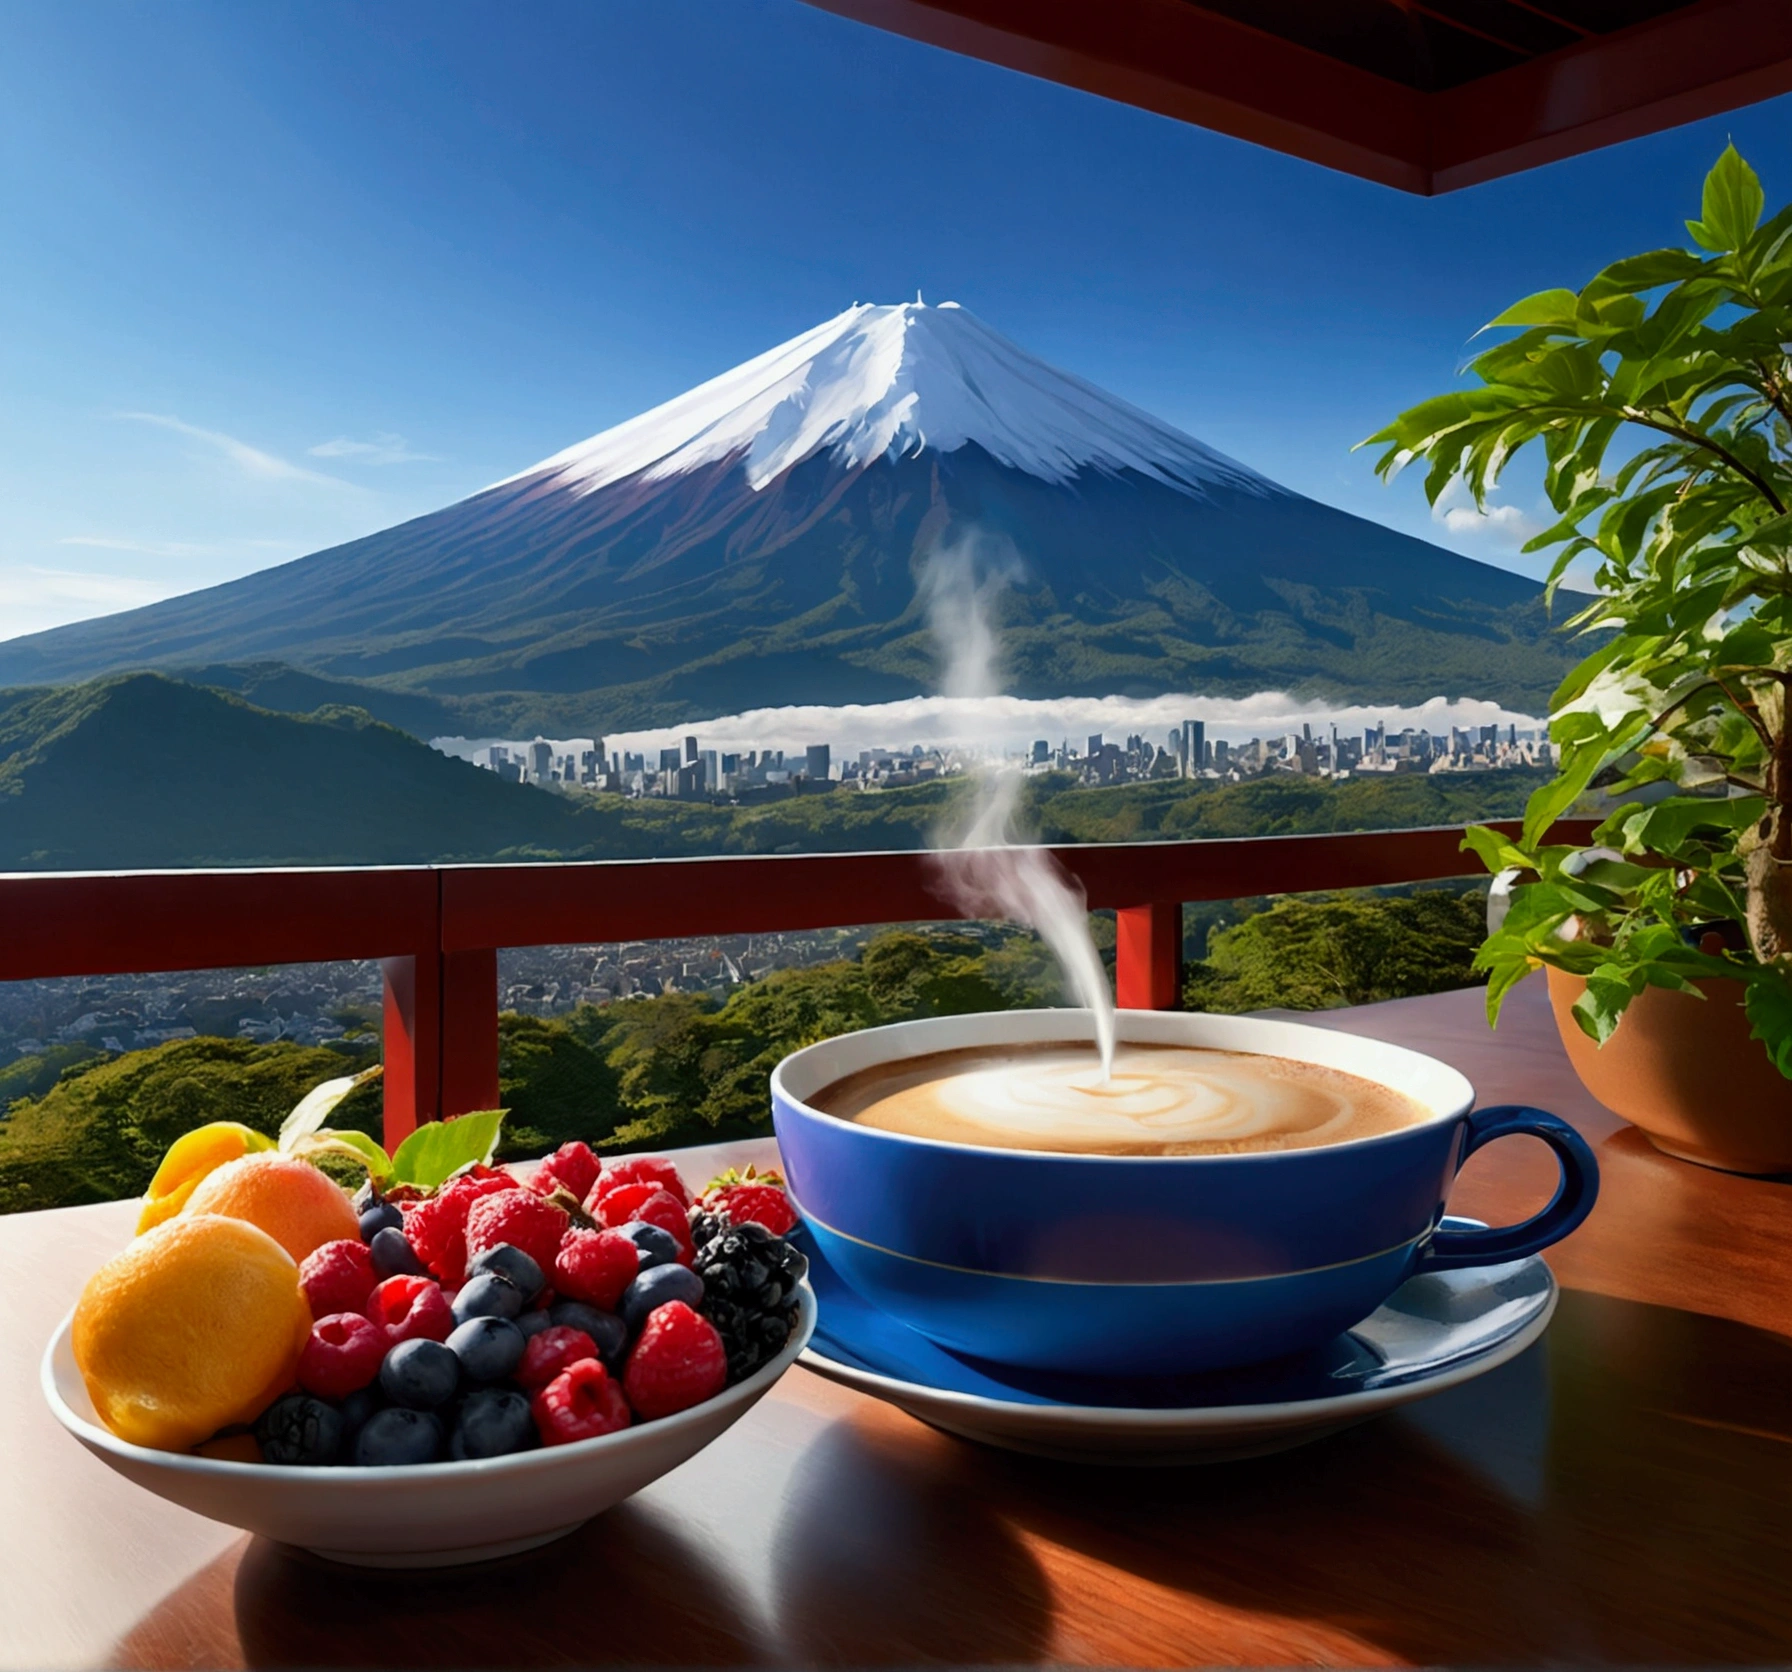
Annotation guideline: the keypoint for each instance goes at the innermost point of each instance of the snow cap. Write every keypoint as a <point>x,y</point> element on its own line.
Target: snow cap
<point>888,382</point>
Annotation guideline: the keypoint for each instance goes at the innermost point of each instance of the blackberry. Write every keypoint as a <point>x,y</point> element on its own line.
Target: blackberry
<point>707,1226</point>
<point>749,1292</point>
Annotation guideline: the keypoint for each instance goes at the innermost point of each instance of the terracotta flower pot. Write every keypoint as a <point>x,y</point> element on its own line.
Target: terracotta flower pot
<point>1687,1074</point>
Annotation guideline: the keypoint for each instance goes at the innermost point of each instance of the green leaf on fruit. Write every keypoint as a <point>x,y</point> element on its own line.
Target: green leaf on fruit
<point>353,1146</point>
<point>315,1107</point>
<point>440,1148</point>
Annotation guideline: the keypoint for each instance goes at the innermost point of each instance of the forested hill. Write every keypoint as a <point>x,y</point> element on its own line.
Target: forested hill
<point>143,771</point>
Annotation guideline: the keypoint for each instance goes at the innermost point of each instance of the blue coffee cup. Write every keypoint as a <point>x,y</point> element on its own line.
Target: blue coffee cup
<point>1148,1264</point>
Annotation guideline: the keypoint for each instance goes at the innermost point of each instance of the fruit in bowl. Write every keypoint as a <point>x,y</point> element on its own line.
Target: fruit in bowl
<point>504,1357</point>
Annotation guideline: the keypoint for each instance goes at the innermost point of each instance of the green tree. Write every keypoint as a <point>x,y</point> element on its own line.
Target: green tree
<point>1320,953</point>
<point>99,1133</point>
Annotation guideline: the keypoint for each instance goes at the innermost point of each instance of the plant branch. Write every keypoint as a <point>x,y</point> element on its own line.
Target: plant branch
<point>1696,438</point>
<point>1750,711</point>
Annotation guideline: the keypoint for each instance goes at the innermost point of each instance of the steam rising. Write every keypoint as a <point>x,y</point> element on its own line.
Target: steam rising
<point>980,868</point>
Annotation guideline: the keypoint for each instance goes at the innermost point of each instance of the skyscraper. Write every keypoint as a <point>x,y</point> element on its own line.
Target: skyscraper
<point>819,760</point>
<point>1191,752</point>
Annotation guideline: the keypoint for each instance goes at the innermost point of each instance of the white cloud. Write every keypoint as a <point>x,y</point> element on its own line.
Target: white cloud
<point>385,448</point>
<point>1013,722</point>
<point>252,461</point>
<point>173,548</point>
<point>33,598</point>
<point>1506,524</point>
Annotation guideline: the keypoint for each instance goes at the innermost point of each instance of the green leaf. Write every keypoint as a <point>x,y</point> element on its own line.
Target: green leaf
<point>356,1146</point>
<point>1601,1007</point>
<point>1768,1003</point>
<point>1495,851</point>
<point>439,1148</point>
<point>1732,204</point>
<point>1554,309</point>
<point>1656,267</point>
<point>314,1108</point>
<point>1506,974</point>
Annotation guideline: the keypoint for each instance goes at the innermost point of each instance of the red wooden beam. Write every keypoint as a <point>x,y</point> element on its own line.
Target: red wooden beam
<point>613,900</point>
<point>119,923</point>
<point>1148,956</point>
<point>1677,68</point>
<point>469,1031</point>
<point>411,1039</point>
<point>1175,58</point>
<point>1180,61</point>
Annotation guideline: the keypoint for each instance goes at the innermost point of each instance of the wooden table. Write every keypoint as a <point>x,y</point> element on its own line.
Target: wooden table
<point>1622,1492</point>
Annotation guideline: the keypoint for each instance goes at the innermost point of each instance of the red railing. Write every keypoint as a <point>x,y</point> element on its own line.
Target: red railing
<point>437,929</point>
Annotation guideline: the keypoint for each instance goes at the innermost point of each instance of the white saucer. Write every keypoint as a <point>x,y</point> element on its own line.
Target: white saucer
<point>1434,1333</point>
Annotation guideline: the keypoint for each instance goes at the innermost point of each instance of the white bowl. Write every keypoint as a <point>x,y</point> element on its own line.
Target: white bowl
<point>431,1514</point>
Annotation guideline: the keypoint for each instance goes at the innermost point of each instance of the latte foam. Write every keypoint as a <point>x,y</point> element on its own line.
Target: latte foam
<point>1160,1100</point>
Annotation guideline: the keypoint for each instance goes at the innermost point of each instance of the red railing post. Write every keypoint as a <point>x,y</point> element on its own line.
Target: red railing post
<point>1148,956</point>
<point>413,1043</point>
<point>469,1030</point>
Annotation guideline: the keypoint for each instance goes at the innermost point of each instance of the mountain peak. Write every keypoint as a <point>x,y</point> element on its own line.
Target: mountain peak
<point>887,381</point>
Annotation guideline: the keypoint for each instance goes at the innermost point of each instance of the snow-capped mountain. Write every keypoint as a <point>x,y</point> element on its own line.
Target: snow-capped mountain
<point>758,540</point>
<point>888,383</point>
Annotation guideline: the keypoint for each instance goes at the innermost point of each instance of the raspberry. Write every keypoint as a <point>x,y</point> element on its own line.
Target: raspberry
<point>755,1204</point>
<point>409,1308</point>
<point>595,1267</point>
<point>678,1362</point>
<point>338,1277</point>
<point>617,1206</point>
<point>641,1169</point>
<point>437,1227</point>
<point>343,1355</point>
<point>571,1167</point>
<point>521,1219</point>
<point>579,1404</point>
<point>663,1209</point>
<point>549,1352</point>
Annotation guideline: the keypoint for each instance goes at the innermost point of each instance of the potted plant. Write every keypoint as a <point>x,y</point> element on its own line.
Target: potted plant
<point>1661,395</point>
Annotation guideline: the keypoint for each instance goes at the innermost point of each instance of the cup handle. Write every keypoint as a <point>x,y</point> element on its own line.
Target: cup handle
<point>1572,1202</point>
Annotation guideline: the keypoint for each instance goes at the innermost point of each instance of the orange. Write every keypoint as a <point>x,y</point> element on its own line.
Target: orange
<point>196,1326</point>
<point>190,1157</point>
<point>291,1200</point>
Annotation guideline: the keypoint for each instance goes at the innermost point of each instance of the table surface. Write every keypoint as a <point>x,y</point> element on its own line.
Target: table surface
<point>1622,1492</point>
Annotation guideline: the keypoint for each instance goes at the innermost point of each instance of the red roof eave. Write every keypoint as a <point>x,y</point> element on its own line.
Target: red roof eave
<point>1174,58</point>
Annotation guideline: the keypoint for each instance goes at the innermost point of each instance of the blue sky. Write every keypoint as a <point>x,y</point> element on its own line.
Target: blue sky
<point>273,276</point>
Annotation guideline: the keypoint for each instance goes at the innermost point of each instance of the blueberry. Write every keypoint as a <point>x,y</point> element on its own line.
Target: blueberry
<point>421,1374</point>
<point>393,1256</point>
<point>533,1323</point>
<point>654,1246</point>
<point>400,1435</point>
<point>510,1262</point>
<point>367,1196</point>
<point>492,1423</point>
<point>488,1348</point>
<point>487,1296</point>
<point>381,1216</point>
<point>356,1409</point>
<point>656,1287</point>
<point>605,1328</point>
<point>300,1430</point>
